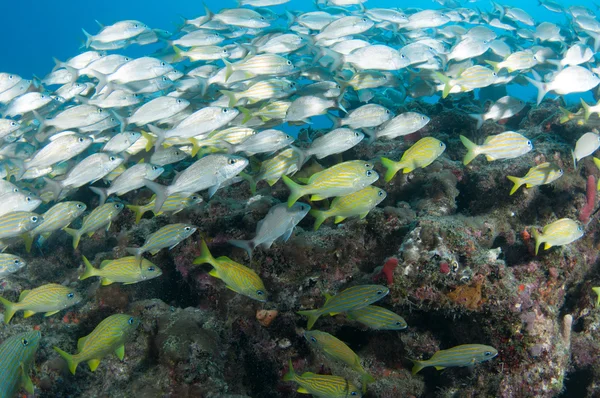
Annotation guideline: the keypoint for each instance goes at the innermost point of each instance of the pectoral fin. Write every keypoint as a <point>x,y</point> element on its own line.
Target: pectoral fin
<point>93,364</point>
<point>28,313</point>
<point>120,352</point>
<point>339,219</point>
<point>215,273</point>
<point>106,282</point>
<point>26,380</point>
<point>51,313</point>
<point>302,390</point>
<point>440,367</point>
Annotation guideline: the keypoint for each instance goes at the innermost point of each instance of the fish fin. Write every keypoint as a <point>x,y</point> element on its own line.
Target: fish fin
<point>439,367</point>
<point>28,313</point>
<point>228,69</point>
<point>252,182</point>
<point>247,245</point>
<point>102,194</point>
<point>88,38</point>
<point>586,110</point>
<point>50,313</point>
<point>538,239</point>
<point>471,150</point>
<point>392,168</point>
<point>317,197</point>
<point>290,375</point>
<point>489,158</point>
<point>214,273</point>
<point>447,85</point>
<point>418,366</point>
<point>28,238</point>
<point>93,364</point>
<point>247,114</point>
<point>366,379</point>
<point>296,190</point>
<point>81,342</point>
<point>154,252</point>
<point>120,352</point>
<point>89,270</point>
<point>479,119</point>
<point>134,251</point>
<point>547,245</point>
<point>302,390</point>
<point>149,140</point>
<point>212,190</point>
<point>9,309</point>
<point>26,382</point>
<point>541,87</point>
<point>303,180</point>
<point>327,297</point>
<point>205,256</point>
<point>231,95</point>
<point>517,181</point>
<point>160,191</point>
<point>320,216</point>
<point>138,212</point>
<point>312,316</point>
<point>339,219</point>
<point>75,234</point>
<point>179,54</point>
<point>105,281</point>
<point>494,65</point>
<point>55,187</point>
<point>363,215</point>
<point>68,358</point>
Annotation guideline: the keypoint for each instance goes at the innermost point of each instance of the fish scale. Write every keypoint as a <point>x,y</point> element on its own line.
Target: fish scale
<point>377,318</point>
<point>16,357</point>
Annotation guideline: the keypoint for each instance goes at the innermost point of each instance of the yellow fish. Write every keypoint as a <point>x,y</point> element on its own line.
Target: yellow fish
<point>507,145</point>
<point>559,233</point>
<point>421,154</point>
<point>541,174</point>
<point>322,385</point>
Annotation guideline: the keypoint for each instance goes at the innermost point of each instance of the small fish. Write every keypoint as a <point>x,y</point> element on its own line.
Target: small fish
<point>359,203</point>
<point>99,217</point>
<point>9,264</point>
<point>462,355</point>
<point>61,147</point>
<point>337,350</point>
<point>421,154</point>
<point>573,79</point>
<point>109,336</point>
<point>174,204</point>
<point>335,141</point>
<point>16,358</point>
<point>585,146</point>
<point>19,201</point>
<point>126,270</point>
<point>517,61</point>
<point>50,298</point>
<point>18,222</point>
<point>559,233</point>
<point>267,141</point>
<point>322,385</point>
<point>401,125</point>
<point>370,115</point>
<point>349,299</point>
<point>504,108</point>
<point>339,180</point>
<point>377,318</point>
<point>471,78</point>
<point>544,173</point>
<point>271,170</point>
<point>237,277</point>
<point>168,236</point>
<point>507,145</point>
<point>279,222</point>
<point>131,179</point>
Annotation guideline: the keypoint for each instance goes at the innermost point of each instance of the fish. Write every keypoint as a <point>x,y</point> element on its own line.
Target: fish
<point>267,141</point>
<point>420,155</point>
<point>359,203</point>
<point>503,108</point>
<point>597,291</point>
<point>17,355</point>
<point>9,264</point>
<point>19,201</point>
<point>271,170</point>
<point>168,236</point>
<point>322,385</point>
<point>101,216</point>
<point>236,277</point>
<point>462,355</point>
<point>404,124</point>
<point>572,79</point>
<point>61,147</point>
<point>377,318</point>
<point>349,299</point>
<point>335,141</point>
<point>517,61</point>
<point>109,336</point>
<point>126,270</point>
<point>59,216</point>
<point>471,78</point>
<point>18,222</point>
<point>337,350</point>
<point>586,145</point>
<point>339,180</point>
<point>174,204</point>
<point>51,299</point>
<point>279,222</point>
<point>558,233</point>
<point>507,145</point>
<point>370,115</point>
<point>544,173</point>
<point>131,179</point>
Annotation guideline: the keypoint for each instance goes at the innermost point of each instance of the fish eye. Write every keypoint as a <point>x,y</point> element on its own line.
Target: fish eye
<point>80,139</point>
<point>260,292</point>
<point>179,101</point>
<point>529,143</point>
<point>79,206</point>
<point>154,168</point>
<point>387,111</point>
<point>289,137</point>
<point>560,171</point>
<point>70,295</point>
<point>495,74</point>
<point>10,77</point>
<point>364,19</point>
<point>313,339</point>
<point>34,219</point>
<point>289,62</point>
<point>100,110</point>
<point>112,158</point>
<point>187,229</point>
<point>356,134</point>
<point>379,292</point>
<point>232,161</point>
<point>368,165</point>
<point>25,342</point>
<point>441,144</point>
<point>354,393</point>
<point>225,110</point>
<point>262,18</point>
<point>42,96</point>
<point>118,205</point>
<point>402,56</point>
<point>163,64</point>
<point>369,173</point>
<point>194,197</point>
<point>151,269</point>
<point>487,353</point>
<point>177,153</point>
<point>28,199</point>
<point>16,190</point>
<point>224,51</point>
<point>13,124</point>
<point>135,26</point>
<point>398,323</point>
<point>130,321</point>
<point>380,193</point>
<point>17,262</point>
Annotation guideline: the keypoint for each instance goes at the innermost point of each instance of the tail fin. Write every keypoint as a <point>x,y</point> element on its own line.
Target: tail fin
<point>179,54</point>
<point>205,256</point>
<point>9,309</point>
<point>250,180</point>
<point>247,245</point>
<point>247,114</point>
<point>228,69</point>
<point>290,375</point>
<point>320,216</point>
<point>135,251</point>
<point>296,191</point>
<point>392,168</point>
<point>54,186</point>
<point>160,136</point>
<point>538,239</point>
<point>76,236</point>
<point>102,82</point>
<point>28,238</point>
<point>566,115</point>
<point>89,270</point>
<point>541,87</point>
<point>312,316</point>
<point>586,110</point>
<point>160,191</point>
<point>494,65</point>
<point>418,366</point>
<point>102,194</point>
<point>479,119</point>
<point>88,38</point>
<point>446,80</point>
<point>231,95</point>
<point>69,358</point>
<point>517,181</point>
<point>366,379</point>
<point>471,150</point>
<point>139,212</point>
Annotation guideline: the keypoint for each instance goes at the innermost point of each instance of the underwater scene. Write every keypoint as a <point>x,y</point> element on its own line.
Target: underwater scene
<point>294,198</point>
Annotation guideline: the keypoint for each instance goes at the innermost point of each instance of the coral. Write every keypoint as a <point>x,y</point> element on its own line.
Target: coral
<point>590,204</point>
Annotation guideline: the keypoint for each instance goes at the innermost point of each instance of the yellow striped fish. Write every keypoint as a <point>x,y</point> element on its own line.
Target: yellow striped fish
<point>471,78</point>
<point>271,170</point>
<point>232,135</point>
<point>377,318</point>
<point>356,204</point>
<point>174,204</point>
<point>16,357</point>
<point>109,336</point>
<point>322,385</point>
<point>339,180</point>
<point>57,217</point>
<point>462,355</point>
<point>350,299</point>
<point>559,233</point>
<point>168,236</point>
<point>50,298</point>
<point>507,145</point>
<point>544,173</point>
<point>261,90</point>
<point>99,217</point>
<point>337,350</point>
<point>518,60</point>
<point>9,263</point>
<point>420,155</point>
<point>272,110</point>
<point>18,222</point>
<point>126,270</point>
<point>237,277</point>
<point>260,65</point>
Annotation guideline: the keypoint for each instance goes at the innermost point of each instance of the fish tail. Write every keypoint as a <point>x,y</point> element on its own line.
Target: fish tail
<point>102,194</point>
<point>89,269</point>
<point>538,239</point>
<point>134,251</point>
<point>76,236</point>
<point>205,256</point>
<point>296,191</point>
<point>250,180</point>
<point>102,82</point>
<point>517,181</point>
<point>418,366</point>
<point>160,191</point>
<point>231,95</point>
<point>541,87</point>
<point>9,309</point>
<point>247,114</point>
<point>139,212</point>
<point>68,358</point>
<point>391,168</point>
<point>247,245</point>
<point>586,110</point>
<point>54,186</point>
<point>320,216</point>
<point>471,150</point>
<point>493,65</point>
<point>312,316</point>
<point>88,38</point>
<point>446,80</point>
<point>479,119</point>
<point>179,55</point>
<point>228,69</point>
<point>149,140</point>
<point>195,146</point>
<point>366,379</point>
<point>290,375</point>
<point>28,238</point>
<point>566,115</point>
